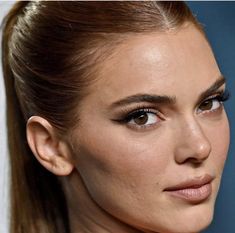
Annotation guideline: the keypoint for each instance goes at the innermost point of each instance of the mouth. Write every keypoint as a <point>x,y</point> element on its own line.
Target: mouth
<point>194,190</point>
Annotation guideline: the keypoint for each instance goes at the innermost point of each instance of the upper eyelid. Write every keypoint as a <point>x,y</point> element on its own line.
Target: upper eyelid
<point>140,110</point>
<point>212,96</point>
<point>128,110</point>
<point>144,109</point>
<point>126,114</point>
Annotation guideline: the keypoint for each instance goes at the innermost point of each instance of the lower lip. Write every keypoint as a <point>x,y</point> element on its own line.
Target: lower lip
<point>193,195</point>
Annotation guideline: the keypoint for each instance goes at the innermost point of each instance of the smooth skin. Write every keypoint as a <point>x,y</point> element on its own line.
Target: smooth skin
<point>116,164</point>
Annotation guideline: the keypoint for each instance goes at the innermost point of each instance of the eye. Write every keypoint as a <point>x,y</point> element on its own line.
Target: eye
<point>210,105</point>
<point>143,118</point>
<point>140,118</point>
<point>213,103</point>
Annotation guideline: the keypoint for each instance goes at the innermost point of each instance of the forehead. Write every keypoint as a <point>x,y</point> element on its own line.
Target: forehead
<point>160,63</point>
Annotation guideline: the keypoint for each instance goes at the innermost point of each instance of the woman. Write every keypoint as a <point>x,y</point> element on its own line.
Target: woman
<point>121,105</point>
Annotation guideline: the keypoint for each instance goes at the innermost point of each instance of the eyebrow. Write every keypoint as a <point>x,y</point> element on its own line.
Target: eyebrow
<point>138,98</point>
<point>164,99</point>
<point>213,88</point>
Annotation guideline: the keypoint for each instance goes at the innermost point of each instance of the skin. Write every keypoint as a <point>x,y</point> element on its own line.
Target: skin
<point>121,169</point>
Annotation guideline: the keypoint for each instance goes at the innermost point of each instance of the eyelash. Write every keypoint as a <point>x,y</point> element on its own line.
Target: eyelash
<point>141,110</point>
<point>221,97</point>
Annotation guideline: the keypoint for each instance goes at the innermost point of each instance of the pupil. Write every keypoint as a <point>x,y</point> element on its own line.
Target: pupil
<point>142,119</point>
<point>206,105</point>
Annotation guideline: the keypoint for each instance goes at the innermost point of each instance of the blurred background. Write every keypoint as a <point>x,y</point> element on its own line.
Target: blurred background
<point>4,168</point>
<point>218,19</point>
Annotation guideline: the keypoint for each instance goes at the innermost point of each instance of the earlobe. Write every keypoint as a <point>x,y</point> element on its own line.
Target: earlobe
<point>50,150</point>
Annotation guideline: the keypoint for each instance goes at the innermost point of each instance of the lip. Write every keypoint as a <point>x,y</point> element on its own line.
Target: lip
<point>195,190</point>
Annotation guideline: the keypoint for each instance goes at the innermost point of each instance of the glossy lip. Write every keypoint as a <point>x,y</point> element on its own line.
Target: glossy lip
<point>195,190</point>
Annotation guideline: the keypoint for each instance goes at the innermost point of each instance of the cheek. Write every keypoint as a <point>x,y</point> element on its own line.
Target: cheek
<point>124,174</point>
<point>117,155</point>
<point>219,138</point>
<point>123,162</point>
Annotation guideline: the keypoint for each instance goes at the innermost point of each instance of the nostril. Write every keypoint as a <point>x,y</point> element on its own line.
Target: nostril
<point>195,161</point>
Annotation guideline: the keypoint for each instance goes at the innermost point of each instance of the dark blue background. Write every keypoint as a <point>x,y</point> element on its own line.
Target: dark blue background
<point>218,19</point>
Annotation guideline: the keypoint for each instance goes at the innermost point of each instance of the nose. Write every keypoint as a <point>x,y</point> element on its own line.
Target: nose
<point>192,144</point>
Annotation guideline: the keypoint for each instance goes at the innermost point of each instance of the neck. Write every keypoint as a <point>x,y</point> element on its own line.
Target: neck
<point>85,215</point>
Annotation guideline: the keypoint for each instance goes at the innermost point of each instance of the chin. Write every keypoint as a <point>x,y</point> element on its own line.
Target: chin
<point>194,221</point>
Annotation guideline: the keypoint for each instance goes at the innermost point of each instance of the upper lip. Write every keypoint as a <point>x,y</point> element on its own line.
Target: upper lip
<point>196,182</point>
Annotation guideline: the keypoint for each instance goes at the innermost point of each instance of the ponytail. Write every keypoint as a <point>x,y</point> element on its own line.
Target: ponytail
<point>37,201</point>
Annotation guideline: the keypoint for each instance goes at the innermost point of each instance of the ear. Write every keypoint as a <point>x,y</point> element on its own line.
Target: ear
<point>50,150</point>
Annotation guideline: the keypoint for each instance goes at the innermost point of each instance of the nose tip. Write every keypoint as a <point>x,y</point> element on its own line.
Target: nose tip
<point>194,147</point>
<point>202,150</point>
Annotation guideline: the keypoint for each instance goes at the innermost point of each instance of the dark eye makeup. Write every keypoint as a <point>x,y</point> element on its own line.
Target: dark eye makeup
<point>138,113</point>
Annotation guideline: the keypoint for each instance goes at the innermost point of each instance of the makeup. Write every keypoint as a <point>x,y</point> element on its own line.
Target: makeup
<point>194,190</point>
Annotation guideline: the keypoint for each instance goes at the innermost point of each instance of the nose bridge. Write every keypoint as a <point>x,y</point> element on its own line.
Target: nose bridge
<point>192,141</point>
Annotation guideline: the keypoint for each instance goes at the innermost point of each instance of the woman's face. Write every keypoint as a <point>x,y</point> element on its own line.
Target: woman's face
<point>153,135</point>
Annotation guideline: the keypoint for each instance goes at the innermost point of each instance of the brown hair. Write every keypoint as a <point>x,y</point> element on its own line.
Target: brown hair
<point>51,52</point>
